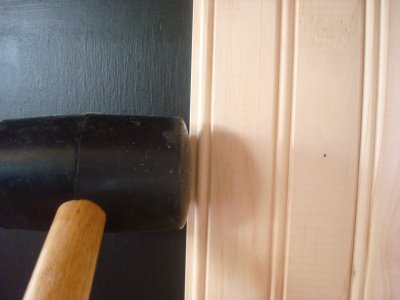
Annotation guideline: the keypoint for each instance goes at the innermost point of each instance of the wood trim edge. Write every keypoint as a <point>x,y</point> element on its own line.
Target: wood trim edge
<point>375,64</point>
<point>200,114</point>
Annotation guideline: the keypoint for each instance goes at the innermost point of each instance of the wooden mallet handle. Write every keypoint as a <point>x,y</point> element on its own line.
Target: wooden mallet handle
<point>67,262</point>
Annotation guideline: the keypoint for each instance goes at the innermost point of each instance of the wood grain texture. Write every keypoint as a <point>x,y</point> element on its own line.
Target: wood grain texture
<point>383,273</point>
<point>283,130</point>
<point>200,114</point>
<point>296,119</point>
<point>374,60</point>
<point>298,197</point>
<point>234,120</point>
<point>324,157</point>
<point>67,261</point>
<point>242,150</point>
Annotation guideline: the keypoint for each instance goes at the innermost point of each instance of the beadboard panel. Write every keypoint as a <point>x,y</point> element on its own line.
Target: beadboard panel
<point>295,196</point>
<point>324,148</point>
<point>383,272</point>
<point>242,150</point>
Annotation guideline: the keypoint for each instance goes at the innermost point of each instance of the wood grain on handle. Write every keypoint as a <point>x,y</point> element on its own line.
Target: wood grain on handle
<point>67,262</point>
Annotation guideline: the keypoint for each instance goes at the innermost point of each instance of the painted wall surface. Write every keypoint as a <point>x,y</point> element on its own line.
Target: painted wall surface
<point>119,57</point>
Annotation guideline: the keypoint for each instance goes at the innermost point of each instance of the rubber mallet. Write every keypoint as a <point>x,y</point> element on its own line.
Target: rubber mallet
<point>134,170</point>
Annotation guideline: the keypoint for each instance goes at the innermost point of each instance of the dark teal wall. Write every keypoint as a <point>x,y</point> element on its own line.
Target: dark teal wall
<point>121,57</point>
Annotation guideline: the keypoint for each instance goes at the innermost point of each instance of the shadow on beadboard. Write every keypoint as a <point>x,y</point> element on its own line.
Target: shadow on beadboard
<point>234,202</point>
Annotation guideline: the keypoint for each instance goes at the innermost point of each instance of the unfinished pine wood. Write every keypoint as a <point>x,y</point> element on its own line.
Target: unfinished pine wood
<point>383,273</point>
<point>241,126</point>
<point>66,265</point>
<point>286,17</point>
<point>242,150</point>
<point>200,136</point>
<point>324,157</point>
<point>374,60</point>
<point>297,157</point>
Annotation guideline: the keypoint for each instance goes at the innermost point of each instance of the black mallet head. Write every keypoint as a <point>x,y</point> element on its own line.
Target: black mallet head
<point>135,168</point>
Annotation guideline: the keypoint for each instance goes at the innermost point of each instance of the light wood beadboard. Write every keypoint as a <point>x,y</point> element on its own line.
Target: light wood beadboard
<point>383,267</point>
<point>296,147</point>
